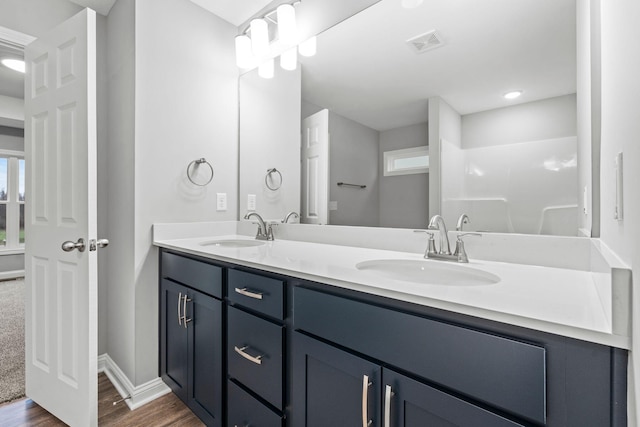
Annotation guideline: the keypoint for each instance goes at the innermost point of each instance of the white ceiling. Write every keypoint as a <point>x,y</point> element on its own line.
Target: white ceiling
<point>11,82</point>
<point>364,70</point>
<point>233,11</point>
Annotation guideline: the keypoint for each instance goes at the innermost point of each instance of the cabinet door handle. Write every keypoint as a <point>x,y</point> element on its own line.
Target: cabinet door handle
<point>185,300</point>
<point>179,314</point>
<point>387,405</point>
<point>365,401</point>
<point>247,293</point>
<point>241,351</point>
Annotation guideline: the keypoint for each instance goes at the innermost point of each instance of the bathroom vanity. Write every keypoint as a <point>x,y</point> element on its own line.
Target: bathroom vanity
<point>244,341</point>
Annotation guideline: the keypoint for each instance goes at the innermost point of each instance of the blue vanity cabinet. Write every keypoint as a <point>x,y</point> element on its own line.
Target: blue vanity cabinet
<point>191,346</point>
<point>333,387</point>
<point>410,403</point>
<point>256,349</point>
<point>443,369</point>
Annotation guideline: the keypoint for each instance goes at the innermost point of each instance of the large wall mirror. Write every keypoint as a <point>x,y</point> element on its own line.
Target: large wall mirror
<point>401,114</point>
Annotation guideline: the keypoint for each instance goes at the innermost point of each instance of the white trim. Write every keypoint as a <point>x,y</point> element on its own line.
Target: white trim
<point>13,274</point>
<point>15,37</point>
<point>140,395</point>
<point>389,157</point>
<point>12,153</point>
<point>14,251</point>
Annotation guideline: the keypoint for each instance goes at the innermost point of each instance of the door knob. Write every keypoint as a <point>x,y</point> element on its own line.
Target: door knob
<point>100,243</point>
<point>69,246</point>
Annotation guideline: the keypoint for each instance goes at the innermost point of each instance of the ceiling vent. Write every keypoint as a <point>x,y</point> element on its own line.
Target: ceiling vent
<point>425,42</point>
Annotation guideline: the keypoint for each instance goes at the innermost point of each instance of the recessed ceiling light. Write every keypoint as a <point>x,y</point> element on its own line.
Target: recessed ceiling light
<point>14,64</point>
<point>513,95</point>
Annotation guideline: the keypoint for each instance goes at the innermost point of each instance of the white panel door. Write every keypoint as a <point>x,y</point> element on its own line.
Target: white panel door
<point>315,168</point>
<point>61,287</point>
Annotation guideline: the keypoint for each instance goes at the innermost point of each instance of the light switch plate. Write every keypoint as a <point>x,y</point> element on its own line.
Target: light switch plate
<point>221,202</point>
<point>251,202</point>
<point>618,212</point>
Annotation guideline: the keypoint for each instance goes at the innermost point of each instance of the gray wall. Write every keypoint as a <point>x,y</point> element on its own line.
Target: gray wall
<point>353,158</point>
<point>404,199</point>
<point>11,138</point>
<point>533,121</point>
<point>119,303</point>
<point>266,105</point>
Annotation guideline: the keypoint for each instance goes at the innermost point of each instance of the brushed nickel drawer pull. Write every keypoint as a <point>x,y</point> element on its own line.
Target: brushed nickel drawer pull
<point>247,293</point>
<point>179,314</point>
<point>387,405</point>
<point>366,422</point>
<point>241,351</point>
<point>185,300</point>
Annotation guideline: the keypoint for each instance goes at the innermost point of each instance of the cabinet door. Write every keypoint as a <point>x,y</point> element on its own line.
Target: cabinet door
<point>204,324</point>
<point>173,339</point>
<point>409,403</point>
<point>333,387</point>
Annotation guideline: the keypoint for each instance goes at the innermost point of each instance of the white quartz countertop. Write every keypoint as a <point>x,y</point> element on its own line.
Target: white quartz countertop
<point>557,300</point>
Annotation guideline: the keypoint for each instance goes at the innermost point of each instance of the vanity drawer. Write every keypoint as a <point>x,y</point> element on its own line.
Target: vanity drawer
<point>259,293</point>
<point>499,371</point>
<point>198,275</point>
<point>244,410</point>
<point>255,354</point>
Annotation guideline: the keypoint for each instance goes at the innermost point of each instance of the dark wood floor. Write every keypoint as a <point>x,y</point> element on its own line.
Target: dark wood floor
<point>167,410</point>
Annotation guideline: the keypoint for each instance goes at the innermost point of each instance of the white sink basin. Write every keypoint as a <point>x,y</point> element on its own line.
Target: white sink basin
<point>235,243</point>
<point>428,272</point>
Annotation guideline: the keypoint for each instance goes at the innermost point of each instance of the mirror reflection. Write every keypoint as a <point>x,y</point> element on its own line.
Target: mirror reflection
<point>402,114</point>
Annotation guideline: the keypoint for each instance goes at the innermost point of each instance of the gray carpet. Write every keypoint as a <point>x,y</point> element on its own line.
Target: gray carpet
<point>11,340</point>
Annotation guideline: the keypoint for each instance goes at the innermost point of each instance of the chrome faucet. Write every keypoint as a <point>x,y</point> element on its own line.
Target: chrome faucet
<point>289,215</point>
<point>444,252</point>
<point>265,232</point>
<point>437,223</point>
<point>463,219</point>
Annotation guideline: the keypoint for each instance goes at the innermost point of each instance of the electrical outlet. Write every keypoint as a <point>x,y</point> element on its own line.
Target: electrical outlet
<point>333,205</point>
<point>221,202</point>
<point>251,202</point>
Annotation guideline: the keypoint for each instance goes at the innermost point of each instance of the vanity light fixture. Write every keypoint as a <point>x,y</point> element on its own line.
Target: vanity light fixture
<point>260,37</point>
<point>244,54</point>
<point>287,27</point>
<point>266,69</point>
<point>513,94</point>
<point>254,47</point>
<point>14,64</point>
<point>308,47</point>
<point>289,59</point>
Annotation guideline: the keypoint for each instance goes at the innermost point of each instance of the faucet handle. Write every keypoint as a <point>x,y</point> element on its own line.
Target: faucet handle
<point>460,252</point>
<point>461,235</point>
<point>431,246</point>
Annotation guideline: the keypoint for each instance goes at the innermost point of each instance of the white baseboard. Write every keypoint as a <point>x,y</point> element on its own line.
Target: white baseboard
<point>14,274</point>
<point>139,395</point>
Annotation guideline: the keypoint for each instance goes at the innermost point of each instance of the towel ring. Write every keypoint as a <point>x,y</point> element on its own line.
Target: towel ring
<point>266,179</point>
<point>195,165</point>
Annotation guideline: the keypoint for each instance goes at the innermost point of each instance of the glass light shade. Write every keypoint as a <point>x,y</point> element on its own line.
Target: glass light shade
<point>260,37</point>
<point>287,28</point>
<point>244,55</point>
<point>14,64</point>
<point>289,59</point>
<point>308,47</point>
<point>266,69</point>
